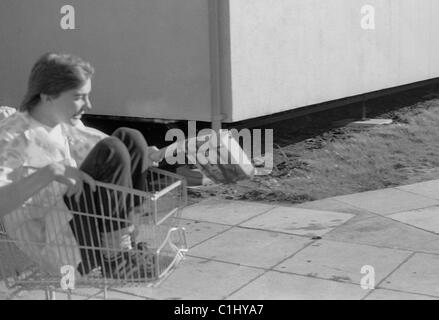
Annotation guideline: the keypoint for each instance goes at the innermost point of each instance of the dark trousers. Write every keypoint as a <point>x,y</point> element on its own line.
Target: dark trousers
<point>121,160</point>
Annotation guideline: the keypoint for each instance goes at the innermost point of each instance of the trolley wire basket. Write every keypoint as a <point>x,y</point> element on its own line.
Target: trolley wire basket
<point>109,237</point>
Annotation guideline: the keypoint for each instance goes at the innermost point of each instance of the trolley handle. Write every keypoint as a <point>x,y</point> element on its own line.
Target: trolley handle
<point>179,251</point>
<point>162,192</point>
<point>168,240</point>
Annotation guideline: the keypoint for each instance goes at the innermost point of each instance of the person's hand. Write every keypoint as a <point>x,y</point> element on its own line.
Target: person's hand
<point>72,177</point>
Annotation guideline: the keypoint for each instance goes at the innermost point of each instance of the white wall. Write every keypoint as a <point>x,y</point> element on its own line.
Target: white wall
<point>151,56</point>
<point>291,53</point>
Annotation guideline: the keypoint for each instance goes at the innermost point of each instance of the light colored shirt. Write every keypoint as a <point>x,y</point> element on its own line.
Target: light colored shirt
<point>40,227</point>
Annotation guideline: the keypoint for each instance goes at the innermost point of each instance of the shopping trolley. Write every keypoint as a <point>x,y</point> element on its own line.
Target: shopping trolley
<point>151,218</point>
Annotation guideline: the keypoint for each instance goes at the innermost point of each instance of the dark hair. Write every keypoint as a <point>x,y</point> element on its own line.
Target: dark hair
<point>54,74</point>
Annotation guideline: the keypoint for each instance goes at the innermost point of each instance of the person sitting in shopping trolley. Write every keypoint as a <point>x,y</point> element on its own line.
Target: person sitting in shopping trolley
<point>49,162</point>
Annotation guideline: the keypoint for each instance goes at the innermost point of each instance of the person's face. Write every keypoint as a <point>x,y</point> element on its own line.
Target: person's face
<point>70,105</point>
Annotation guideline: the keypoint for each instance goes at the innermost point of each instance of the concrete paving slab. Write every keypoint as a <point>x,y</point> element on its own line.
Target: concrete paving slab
<point>387,201</point>
<point>28,295</point>
<point>200,279</point>
<point>337,206</point>
<point>282,286</point>
<point>81,293</point>
<point>420,274</point>
<point>384,232</point>
<point>355,219</point>
<point>333,205</point>
<point>198,231</point>
<point>19,294</point>
<point>355,123</point>
<point>116,294</point>
<point>87,294</point>
<point>340,261</point>
<point>249,247</point>
<point>224,211</point>
<point>370,123</point>
<point>298,221</point>
<point>383,294</point>
<point>39,294</point>
<point>427,218</point>
<point>428,189</point>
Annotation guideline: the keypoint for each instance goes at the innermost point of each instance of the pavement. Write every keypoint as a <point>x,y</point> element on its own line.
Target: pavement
<point>381,244</point>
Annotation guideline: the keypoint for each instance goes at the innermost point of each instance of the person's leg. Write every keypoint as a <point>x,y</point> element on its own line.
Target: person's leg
<point>138,151</point>
<point>108,162</point>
